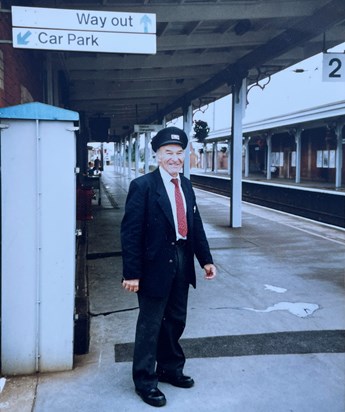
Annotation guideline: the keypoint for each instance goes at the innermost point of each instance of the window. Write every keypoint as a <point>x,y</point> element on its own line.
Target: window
<point>325,159</point>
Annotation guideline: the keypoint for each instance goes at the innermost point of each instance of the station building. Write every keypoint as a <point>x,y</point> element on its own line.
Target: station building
<point>303,146</point>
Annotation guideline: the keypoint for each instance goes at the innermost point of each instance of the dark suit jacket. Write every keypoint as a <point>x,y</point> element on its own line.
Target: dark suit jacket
<point>148,235</point>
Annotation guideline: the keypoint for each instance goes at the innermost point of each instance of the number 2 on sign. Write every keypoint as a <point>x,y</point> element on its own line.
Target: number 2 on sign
<point>333,67</point>
<point>335,62</point>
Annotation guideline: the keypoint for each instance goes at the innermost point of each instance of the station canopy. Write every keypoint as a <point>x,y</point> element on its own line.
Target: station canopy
<point>203,48</point>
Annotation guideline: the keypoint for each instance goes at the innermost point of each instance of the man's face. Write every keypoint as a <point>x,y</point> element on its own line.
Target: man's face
<point>171,158</point>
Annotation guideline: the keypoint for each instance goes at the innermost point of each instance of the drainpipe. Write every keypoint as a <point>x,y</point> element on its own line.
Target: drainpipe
<point>38,246</point>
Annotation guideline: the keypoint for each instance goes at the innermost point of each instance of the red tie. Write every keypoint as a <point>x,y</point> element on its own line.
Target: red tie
<point>181,214</point>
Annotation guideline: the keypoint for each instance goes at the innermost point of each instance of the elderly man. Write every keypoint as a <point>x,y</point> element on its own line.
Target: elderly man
<point>161,232</point>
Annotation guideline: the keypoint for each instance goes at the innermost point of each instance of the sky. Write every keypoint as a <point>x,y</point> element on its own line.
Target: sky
<point>287,92</point>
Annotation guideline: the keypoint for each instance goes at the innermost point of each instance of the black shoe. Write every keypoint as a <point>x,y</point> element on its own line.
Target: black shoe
<point>153,397</point>
<point>181,381</point>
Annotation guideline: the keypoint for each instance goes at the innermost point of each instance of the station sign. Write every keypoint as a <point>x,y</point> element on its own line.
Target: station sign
<point>333,67</point>
<point>72,40</point>
<point>146,128</point>
<point>81,30</point>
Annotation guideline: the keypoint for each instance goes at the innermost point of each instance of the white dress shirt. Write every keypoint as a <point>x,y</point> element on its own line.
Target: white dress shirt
<point>170,188</point>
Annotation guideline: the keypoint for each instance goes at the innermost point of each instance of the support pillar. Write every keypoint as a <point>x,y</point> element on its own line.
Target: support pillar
<point>339,155</point>
<point>238,108</point>
<point>120,157</point>
<point>114,164</point>
<point>117,157</point>
<point>123,156</point>
<point>130,148</point>
<point>187,127</point>
<point>137,153</point>
<point>147,152</point>
<point>246,159</point>
<point>229,157</point>
<point>205,157</point>
<point>215,157</point>
<point>102,157</point>
<point>298,139</point>
<point>269,156</point>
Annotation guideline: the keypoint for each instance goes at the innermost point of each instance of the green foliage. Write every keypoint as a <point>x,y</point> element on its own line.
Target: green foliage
<point>201,130</point>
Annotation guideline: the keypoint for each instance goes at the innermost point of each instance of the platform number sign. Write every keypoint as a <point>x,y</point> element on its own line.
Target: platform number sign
<point>333,67</point>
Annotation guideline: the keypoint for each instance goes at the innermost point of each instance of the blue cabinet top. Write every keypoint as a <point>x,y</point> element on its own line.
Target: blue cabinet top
<point>38,111</point>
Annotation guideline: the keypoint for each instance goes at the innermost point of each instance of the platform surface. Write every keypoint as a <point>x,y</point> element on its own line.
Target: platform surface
<point>267,335</point>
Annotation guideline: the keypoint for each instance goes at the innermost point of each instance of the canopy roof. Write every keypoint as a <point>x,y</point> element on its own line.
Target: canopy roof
<point>203,47</point>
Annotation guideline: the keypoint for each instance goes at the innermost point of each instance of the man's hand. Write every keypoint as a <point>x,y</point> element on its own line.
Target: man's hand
<point>210,271</point>
<point>131,285</point>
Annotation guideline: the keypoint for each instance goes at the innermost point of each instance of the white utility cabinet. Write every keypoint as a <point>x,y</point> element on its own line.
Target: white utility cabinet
<point>38,224</point>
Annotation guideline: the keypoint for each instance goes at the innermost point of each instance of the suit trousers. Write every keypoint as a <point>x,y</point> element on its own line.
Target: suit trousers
<point>160,324</point>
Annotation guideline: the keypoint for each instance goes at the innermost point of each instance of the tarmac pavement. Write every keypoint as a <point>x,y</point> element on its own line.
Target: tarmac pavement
<point>267,335</point>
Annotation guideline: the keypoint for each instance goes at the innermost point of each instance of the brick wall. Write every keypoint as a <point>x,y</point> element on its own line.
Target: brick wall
<point>21,71</point>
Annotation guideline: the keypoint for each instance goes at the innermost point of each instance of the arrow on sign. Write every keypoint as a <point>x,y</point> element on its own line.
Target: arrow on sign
<point>145,20</point>
<point>23,39</point>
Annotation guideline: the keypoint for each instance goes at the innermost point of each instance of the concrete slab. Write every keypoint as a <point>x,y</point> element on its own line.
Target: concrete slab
<point>19,394</point>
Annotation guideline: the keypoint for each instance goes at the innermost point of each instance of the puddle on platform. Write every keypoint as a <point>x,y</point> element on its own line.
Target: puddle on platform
<point>300,309</point>
<point>275,289</point>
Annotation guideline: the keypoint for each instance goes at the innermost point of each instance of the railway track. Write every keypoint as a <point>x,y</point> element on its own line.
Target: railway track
<point>324,206</point>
